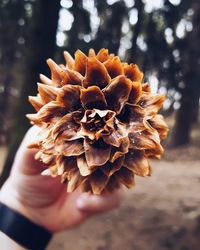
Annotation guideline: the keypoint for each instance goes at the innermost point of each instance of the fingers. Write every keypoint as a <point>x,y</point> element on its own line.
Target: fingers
<point>25,162</point>
<point>99,203</point>
<point>25,158</point>
<point>30,136</point>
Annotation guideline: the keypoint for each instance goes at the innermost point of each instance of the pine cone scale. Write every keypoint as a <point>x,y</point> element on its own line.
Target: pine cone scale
<point>93,97</point>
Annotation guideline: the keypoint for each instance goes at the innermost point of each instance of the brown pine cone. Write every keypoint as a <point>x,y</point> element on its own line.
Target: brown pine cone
<point>99,122</point>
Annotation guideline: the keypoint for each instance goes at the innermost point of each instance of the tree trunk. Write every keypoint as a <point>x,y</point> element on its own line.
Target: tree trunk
<point>188,111</point>
<point>195,109</point>
<point>110,30</point>
<point>10,13</point>
<point>185,117</point>
<point>40,44</point>
<point>136,30</point>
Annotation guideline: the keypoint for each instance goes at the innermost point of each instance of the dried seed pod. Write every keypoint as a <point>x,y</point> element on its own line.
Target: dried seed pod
<point>100,122</point>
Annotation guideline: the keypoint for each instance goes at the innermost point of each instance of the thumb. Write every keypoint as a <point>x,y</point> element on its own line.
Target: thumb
<point>24,161</point>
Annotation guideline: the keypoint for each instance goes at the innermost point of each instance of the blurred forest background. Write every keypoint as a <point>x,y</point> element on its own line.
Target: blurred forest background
<point>162,37</point>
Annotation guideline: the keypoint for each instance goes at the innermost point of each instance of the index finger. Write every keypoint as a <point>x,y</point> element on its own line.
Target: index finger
<point>25,157</point>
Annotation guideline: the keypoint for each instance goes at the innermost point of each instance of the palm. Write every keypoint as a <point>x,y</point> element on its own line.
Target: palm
<point>47,194</point>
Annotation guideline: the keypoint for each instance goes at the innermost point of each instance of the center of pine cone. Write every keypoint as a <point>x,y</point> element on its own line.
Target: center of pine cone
<point>97,123</point>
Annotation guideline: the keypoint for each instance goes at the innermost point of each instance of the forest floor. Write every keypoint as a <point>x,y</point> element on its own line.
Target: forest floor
<point>162,212</point>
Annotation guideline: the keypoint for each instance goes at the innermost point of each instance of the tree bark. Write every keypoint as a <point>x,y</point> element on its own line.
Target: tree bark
<point>110,30</point>
<point>10,13</point>
<point>188,111</point>
<point>195,109</point>
<point>136,30</point>
<point>185,116</point>
<point>40,44</point>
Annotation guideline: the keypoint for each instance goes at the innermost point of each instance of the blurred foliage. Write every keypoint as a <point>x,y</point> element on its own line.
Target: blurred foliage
<point>163,40</point>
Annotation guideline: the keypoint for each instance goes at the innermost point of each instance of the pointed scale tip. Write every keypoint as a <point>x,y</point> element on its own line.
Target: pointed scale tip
<point>69,59</point>
<point>91,53</point>
<point>45,80</point>
<point>46,172</point>
<point>53,65</point>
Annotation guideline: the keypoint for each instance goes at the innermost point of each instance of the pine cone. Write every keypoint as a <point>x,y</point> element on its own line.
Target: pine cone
<point>99,122</point>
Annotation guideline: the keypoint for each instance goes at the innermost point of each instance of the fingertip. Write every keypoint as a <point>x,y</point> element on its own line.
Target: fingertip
<point>83,201</point>
<point>99,203</point>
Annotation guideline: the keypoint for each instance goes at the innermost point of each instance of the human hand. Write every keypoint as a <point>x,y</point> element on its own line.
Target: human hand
<point>44,199</point>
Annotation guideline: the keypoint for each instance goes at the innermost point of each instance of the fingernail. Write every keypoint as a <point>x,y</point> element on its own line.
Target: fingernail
<point>82,200</point>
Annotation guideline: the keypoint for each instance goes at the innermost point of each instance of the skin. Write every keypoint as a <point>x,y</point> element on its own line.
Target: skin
<point>44,199</point>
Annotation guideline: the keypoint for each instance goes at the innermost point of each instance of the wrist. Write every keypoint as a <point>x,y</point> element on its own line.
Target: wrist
<point>23,231</point>
<point>10,196</point>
